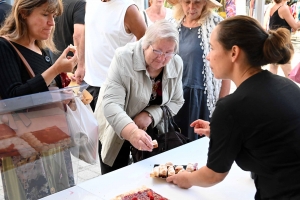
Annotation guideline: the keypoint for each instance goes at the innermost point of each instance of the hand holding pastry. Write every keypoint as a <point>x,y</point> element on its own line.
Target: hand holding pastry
<point>66,63</point>
<point>141,140</point>
<point>180,179</point>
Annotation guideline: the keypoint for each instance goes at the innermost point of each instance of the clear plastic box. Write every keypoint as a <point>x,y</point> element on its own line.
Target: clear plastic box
<point>36,148</point>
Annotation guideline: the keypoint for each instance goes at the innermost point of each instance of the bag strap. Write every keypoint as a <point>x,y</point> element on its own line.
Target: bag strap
<point>145,17</point>
<point>28,68</point>
<point>166,125</point>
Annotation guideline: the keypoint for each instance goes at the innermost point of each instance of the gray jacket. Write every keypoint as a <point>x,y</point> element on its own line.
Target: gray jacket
<point>126,92</point>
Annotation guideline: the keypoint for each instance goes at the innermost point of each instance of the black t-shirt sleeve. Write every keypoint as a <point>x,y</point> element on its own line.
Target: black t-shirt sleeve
<point>79,12</point>
<point>225,139</point>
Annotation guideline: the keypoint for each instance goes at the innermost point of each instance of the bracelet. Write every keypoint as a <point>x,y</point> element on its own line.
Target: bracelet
<point>131,133</point>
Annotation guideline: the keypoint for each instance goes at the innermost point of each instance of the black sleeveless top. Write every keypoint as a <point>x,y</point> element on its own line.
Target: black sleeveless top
<point>277,22</point>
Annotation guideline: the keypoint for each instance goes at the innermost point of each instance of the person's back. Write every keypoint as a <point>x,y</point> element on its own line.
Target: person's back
<point>276,21</point>
<point>5,9</point>
<point>109,25</point>
<point>69,29</point>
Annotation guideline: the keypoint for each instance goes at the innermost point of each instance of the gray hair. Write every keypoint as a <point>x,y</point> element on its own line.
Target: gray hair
<point>162,29</point>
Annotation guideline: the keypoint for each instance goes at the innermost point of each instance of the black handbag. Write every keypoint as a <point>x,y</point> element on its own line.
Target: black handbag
<point>171,138</point>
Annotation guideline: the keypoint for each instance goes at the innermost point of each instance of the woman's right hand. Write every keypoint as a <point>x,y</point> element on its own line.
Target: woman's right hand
<point>63,64</point>
<point>141,140</point>
<point>66,63</point>
<point>201,127</point>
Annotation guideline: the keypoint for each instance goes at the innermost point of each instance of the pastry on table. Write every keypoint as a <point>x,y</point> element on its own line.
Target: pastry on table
<point>190,167</point>
<point>178,168</point>
<point>16,146</point>
<point>47,139</point>
<point>163,171</point>
<point>168,169</point>
<point>142,193</point>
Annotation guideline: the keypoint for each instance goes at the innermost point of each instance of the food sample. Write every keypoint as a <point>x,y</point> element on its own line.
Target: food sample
<point>154,143</point>
<point>16,146</point>
<point>6,132</point>
<point>86,97</point>
<point>72,48</point>
<point>48,138</point>
<point>140,194</point>
<point>190,167</point>
<point>178,168</point>
<point>159,171</point>
<point>163,171</point>
<point>171,171</point>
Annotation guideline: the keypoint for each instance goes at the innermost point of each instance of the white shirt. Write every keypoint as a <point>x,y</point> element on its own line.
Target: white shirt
<point>105,32</point>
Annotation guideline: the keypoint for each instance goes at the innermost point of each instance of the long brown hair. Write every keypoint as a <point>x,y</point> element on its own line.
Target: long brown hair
<point>15,26</point>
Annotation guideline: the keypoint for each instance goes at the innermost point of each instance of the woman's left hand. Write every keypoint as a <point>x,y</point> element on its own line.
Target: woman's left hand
<point>143,120</point>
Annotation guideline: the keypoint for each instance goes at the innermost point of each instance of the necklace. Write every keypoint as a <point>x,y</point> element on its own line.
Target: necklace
<point>192,24</point>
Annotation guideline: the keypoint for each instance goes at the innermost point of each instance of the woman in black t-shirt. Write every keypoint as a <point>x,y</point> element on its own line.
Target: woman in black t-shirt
<point>258,125</point>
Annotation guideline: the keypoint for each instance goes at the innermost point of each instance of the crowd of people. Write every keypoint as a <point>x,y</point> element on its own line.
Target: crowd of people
<point>185,58</point>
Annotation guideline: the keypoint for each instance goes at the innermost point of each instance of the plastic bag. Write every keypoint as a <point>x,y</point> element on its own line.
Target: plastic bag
<point>83,128</point>
<point>295,73</point>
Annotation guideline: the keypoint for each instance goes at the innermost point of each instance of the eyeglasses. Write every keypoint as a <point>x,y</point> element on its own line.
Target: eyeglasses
<point>160,53</point>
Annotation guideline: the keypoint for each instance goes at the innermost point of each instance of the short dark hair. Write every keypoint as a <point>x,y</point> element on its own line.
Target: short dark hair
<point>260,47</point>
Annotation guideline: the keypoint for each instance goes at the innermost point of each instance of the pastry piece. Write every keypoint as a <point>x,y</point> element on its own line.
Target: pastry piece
<point>154,143</point>
<point>86,97</point>
<point>72,48</point>
<point>6,132</point>
<point>178,168</point>
<point>142,193</point>
<point>182,170</point>
<point>190,167</point>
<point>163,170</point>
<point>48,138</point>
<point>169,164</point>
<point>155,172</point>
<point>16,146</point>
<point>171,171</point>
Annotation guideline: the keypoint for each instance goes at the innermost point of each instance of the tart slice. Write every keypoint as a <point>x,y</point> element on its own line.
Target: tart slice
<point>143,193</point>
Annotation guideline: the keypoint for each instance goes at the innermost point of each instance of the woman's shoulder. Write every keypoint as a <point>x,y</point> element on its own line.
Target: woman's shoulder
<point>283,10</point>
<point>5,46</point>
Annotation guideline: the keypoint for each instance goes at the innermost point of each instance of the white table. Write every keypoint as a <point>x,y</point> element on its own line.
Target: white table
<point>237,185</point>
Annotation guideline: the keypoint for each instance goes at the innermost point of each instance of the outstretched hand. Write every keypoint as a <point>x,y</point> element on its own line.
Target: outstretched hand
<point>180,179</point>
<point>201,127</point>
<point>141,140</point>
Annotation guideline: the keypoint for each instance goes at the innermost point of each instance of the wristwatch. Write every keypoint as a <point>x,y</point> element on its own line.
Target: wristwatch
<point>150,116</point>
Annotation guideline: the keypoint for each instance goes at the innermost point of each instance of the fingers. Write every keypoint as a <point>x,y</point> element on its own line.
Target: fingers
<point>144,146</point>
<point>170,179</point>
<point>142,141</point>
<point>195,123</point>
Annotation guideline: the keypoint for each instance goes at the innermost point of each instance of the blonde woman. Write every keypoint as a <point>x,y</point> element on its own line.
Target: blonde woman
<point>201,89</point>
<point>156,12</point>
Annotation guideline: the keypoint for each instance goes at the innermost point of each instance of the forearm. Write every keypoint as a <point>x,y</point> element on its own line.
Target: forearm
<point>50,74</point>
<point>79,42</point>
<point>128,130</point>
<point>205,177</point>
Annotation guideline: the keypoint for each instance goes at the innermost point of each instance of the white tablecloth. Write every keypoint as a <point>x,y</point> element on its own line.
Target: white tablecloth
<point>237,185</point>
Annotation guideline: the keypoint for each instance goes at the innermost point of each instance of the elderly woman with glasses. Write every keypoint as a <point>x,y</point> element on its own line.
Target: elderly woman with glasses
<point>143,76</point>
